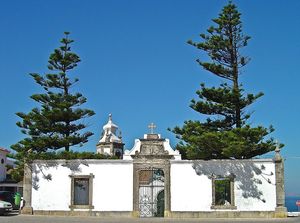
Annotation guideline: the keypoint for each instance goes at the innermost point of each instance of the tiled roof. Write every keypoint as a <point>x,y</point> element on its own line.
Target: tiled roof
<point>4,150</point>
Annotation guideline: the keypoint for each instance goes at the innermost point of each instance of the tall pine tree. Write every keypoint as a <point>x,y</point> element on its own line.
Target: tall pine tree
<point>57,122</point>
<point>225,133</point>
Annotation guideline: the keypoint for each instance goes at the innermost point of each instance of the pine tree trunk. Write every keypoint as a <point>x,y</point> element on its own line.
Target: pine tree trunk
<point>235,75</point>
<point>237,102</point>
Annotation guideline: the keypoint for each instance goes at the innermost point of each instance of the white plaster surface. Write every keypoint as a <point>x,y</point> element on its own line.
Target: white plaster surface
<point>106,150</point>
<point>189,192</point>
<point>136,147</point>
<point>112,185</point>
<point>191,184</point>
<point>254,185</point>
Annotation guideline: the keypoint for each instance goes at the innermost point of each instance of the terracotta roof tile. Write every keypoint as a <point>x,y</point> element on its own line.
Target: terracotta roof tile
<point>4,150</point>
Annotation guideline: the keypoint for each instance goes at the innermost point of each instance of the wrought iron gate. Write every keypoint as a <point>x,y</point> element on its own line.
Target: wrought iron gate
<point>151,192</point>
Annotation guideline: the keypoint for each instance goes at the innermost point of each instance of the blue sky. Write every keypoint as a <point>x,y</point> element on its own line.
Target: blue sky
<point>136,63</point>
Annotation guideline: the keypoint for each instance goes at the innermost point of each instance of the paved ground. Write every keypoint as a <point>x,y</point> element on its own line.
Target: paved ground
<point>55,219</point>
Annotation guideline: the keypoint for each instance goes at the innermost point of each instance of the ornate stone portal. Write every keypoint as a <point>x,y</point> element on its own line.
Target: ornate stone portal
<point>151,175</point>
<point>151,157</point>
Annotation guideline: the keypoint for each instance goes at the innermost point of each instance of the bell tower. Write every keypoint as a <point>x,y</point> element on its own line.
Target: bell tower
<point>111,140</point>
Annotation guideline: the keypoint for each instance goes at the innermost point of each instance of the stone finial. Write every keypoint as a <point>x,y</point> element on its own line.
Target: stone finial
<point>277,157</point>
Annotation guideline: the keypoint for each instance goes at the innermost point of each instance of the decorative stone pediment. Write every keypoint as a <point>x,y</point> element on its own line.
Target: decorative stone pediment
<point>152,146</point>
<point>152,149</point>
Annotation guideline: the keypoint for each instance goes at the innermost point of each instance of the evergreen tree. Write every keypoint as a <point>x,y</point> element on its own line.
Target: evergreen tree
<point>225,133</point>
<point>57,122</point>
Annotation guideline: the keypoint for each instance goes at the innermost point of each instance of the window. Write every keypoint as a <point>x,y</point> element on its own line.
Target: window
<point>223,193</point>
<point>81,191</point>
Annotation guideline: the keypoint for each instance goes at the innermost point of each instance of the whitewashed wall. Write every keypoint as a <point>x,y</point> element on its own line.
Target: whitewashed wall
<point>191,184</point>
<point>254,185</point>
<point>112,184</point>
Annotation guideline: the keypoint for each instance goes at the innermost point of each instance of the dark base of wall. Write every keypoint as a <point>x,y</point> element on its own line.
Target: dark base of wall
<point>223,214</point>
<point>168,214</point>
<point>86,213</point>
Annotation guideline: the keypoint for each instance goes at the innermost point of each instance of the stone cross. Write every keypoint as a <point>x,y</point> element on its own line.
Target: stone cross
<point>152,127</point>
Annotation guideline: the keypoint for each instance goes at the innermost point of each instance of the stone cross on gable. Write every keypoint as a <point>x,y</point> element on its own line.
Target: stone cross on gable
<point>152,127</point>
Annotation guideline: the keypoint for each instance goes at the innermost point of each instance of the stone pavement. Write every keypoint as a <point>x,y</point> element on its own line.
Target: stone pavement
<point>58,219</point>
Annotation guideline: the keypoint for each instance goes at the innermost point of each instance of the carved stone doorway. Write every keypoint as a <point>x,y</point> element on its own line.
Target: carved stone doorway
<point>151,178</point>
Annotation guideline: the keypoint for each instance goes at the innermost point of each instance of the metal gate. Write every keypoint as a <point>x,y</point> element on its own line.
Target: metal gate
<point>151,192</point>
